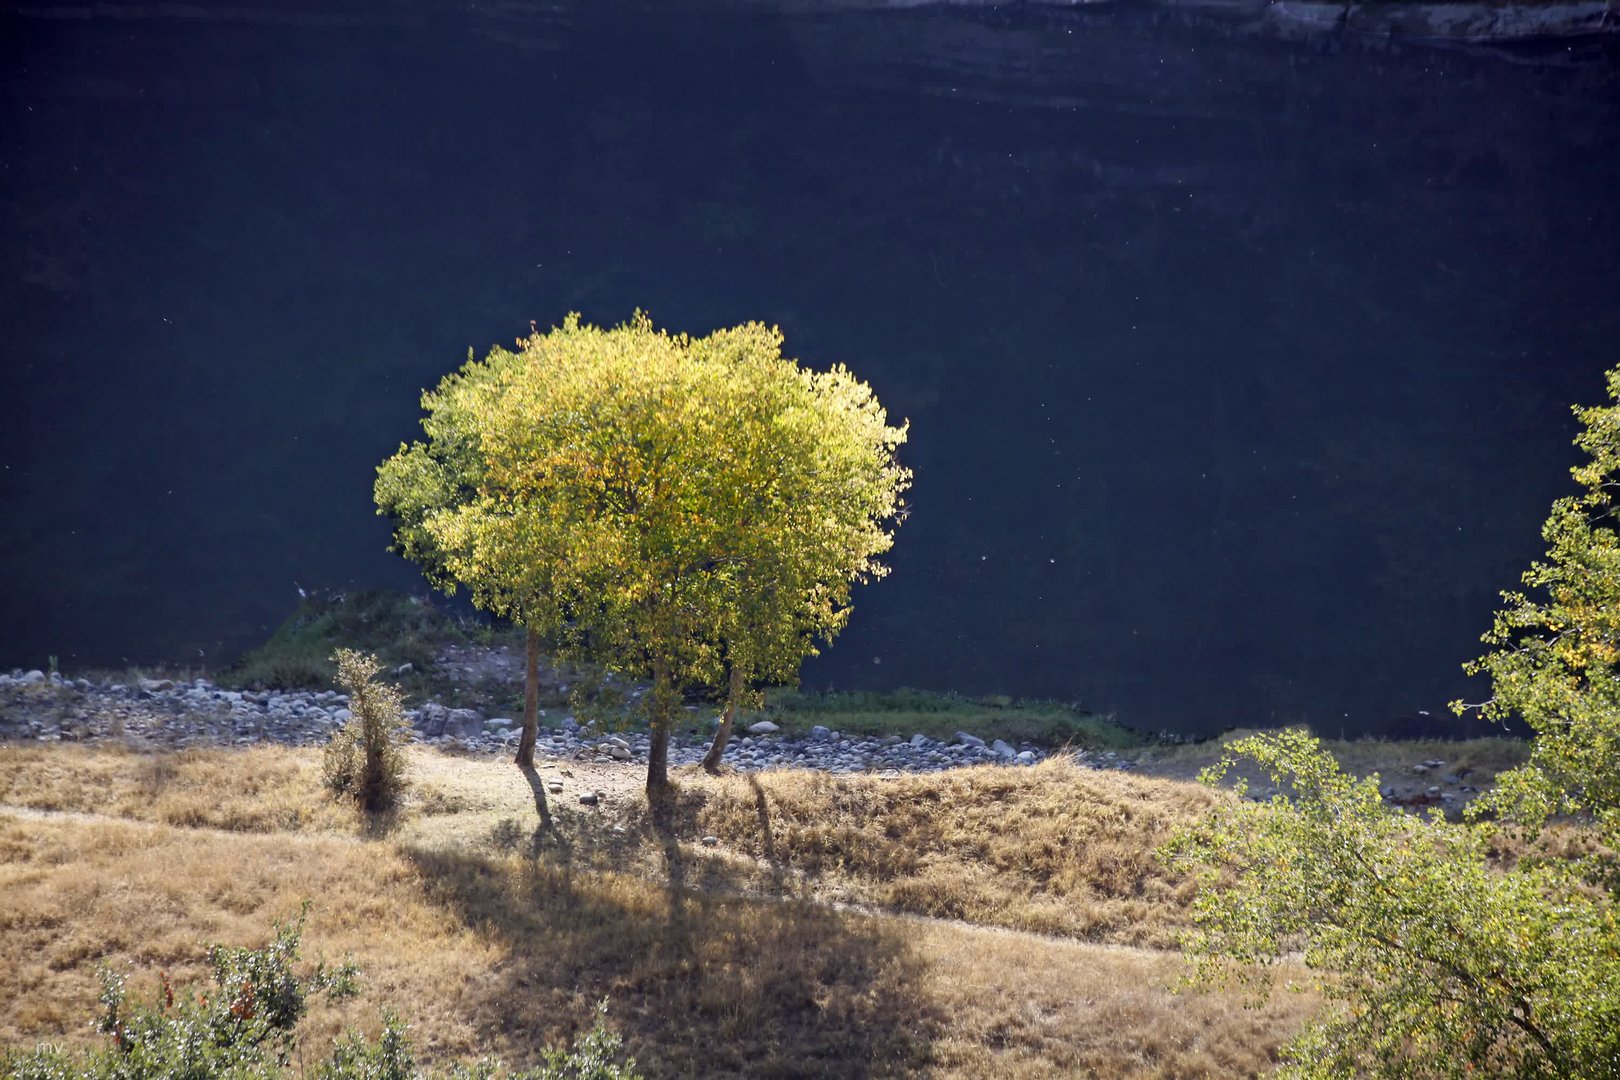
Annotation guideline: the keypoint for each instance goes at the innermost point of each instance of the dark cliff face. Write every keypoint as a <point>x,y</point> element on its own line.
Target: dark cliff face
<point>1238,368</point>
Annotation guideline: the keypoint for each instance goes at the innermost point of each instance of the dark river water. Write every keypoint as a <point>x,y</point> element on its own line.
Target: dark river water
<point>1238,369</point>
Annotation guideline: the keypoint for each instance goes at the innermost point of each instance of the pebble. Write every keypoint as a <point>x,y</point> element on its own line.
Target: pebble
<point>183,713</point>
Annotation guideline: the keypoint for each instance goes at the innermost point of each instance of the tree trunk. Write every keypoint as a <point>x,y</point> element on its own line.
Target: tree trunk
<point>374,735</point>
<point>722,734</point>
<point>531,701</point>
<point>658,752</point>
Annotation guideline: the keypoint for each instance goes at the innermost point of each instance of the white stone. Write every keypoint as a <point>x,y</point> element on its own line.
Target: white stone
<point>763,727</point>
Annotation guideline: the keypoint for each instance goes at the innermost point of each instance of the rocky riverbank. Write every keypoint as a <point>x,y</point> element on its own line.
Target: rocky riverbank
<point>173,713</point>
<point>176,714</point>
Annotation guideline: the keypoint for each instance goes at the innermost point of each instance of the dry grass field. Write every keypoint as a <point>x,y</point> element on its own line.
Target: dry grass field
<point>492,914</point>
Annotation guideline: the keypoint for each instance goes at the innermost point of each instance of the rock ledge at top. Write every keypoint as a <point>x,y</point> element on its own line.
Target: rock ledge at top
<point>545,24</point>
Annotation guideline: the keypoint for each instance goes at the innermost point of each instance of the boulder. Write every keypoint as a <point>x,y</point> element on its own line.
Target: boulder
<point>464,722</point>
<point>763,727</point>
<point>431,719</point>
<point>1003,748</point>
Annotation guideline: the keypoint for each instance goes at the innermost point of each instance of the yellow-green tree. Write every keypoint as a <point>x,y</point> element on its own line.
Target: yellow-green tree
<point>690,510</point>
<point>1556,657</point>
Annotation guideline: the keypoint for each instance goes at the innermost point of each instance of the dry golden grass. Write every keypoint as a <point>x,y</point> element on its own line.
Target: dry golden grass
<point>1056,849</point>
<point>262,789</point>
<point>483,953</point>
<point>491,934</point>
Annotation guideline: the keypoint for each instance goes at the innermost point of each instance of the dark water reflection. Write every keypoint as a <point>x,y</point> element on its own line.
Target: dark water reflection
<point>1238,370</point>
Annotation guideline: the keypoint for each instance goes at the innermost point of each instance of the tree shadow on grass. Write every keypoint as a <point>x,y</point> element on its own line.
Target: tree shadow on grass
<point>702,981</point>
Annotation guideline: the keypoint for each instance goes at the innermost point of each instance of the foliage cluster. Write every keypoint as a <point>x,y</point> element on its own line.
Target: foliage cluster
<point>246,1026</point>
<point>1442,963</point>
<point>1439,962</point>
<point>690,510</point>
<point>365,759</point>
<point>1556,661</point>
<point>243,1026</point>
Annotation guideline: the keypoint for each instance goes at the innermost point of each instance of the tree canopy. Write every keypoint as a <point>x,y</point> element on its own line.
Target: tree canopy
<point>1440,959</point>
<point>695,510</point>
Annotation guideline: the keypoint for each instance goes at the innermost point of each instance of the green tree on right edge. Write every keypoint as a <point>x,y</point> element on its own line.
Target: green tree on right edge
<point>690,510</point>
<point>1436,960</point>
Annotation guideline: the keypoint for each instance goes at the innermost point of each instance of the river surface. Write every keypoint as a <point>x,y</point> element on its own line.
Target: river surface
<point>1238,369</point>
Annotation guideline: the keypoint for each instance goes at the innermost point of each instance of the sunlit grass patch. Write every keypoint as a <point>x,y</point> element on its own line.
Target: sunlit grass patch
<point>265,788</point>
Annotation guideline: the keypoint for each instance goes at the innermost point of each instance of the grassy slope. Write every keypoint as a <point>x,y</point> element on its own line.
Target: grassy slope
<point>1055,849</point>
<point>490,935</point>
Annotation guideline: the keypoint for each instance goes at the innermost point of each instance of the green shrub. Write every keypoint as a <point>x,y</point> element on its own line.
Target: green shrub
<point>244,1027</point>
<point>365,760</point>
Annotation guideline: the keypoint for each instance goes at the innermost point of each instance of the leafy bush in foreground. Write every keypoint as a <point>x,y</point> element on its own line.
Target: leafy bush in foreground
<point>1440,964</point>
<point>244,1027</point>
<point>1443,964</point>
